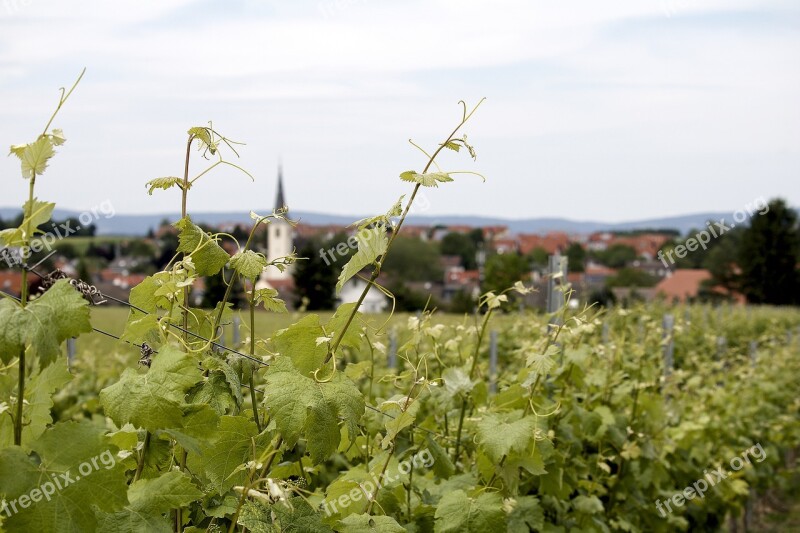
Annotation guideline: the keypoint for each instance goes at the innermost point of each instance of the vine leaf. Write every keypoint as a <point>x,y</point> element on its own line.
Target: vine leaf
<point>296,517</point>
<point>302,407</point>
<point>221,460</point>
<point>149,500</point>
<point>269,297</point>
<point>385,220</point>
<point>40,212</point>
<point>35,156</point>
<point>248,264</point>
<point>163,183</point>
<point>207,255</point>
<point>61,313</point>
<point>298,342</point>
<point>364,523</point>
<point>429,179</point>
<point>39,399</point>
<point>499,438</point>
<point>402,418</point>
<point>372,244</point>
<point>61,449</point>
<point>153,400</point>
<point>458,513</point>
<point>527,515</point>
<point>452,145</point>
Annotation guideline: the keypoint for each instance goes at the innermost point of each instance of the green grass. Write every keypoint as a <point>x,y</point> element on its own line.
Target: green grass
<point>81,243</point>
<point>112,320</point>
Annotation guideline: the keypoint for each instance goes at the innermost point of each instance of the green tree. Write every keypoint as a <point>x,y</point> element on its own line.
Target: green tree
<point>461,245</point>
<point>476,236</point>
<point>576,256</point>
<point>216,287</point>
<point>539,256</point>
<point>631,277</point>
<point>768,257</point>
<point>414,260</point>
<point>314,277</point>
<point>721,261</point>
<point>503,270</point>
<point>138,248</point>
<point>616,256</point>
<point>406,299</point>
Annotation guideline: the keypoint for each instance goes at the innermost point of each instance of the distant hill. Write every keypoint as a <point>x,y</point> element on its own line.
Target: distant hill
<point>140,224</point>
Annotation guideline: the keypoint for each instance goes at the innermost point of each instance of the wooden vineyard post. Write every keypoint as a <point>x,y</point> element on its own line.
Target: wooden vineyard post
<point>557,270</point>
<point>493,362</point>
<point>669,346</point>
<point>71,349</point>
<point>392,350</point>
<point>235,334</point>
<point>722,347</point>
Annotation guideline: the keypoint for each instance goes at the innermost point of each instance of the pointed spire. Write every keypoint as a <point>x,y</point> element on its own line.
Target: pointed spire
<point>280,201</point>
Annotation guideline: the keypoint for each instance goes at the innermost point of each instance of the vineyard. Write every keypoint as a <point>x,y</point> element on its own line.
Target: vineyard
<point>644,419</point>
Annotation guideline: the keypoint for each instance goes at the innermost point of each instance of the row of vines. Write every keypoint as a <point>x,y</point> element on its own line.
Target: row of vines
<point>309,430</point>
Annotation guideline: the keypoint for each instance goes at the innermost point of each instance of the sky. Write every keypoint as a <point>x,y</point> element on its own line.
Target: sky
<point>608,111</point>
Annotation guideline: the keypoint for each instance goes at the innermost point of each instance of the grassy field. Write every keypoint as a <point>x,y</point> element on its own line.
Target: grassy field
<point>81,243</point>
<point>112,320</point>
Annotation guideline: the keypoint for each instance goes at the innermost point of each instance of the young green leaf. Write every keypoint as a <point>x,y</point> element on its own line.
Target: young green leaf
<point>207,254</point>
<point>40,212</point>
<point>499,438</point>
<point>248,264</point>
<point>429,179</point>
<point>163,183</point>
<point>372,244</point>
<point>269,298</point>
<point>34,156</point>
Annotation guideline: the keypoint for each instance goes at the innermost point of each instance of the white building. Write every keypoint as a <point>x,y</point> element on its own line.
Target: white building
<point>374,302</point>
<point>280,243</point>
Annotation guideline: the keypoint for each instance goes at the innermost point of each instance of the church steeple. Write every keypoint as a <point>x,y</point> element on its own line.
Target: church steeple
<point>280,201</point>
<point>279,237</point>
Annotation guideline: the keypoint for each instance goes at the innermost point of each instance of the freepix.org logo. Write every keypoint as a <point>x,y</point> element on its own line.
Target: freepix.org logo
<point>45,242</point>
<point>57,482</point>
<point>369,488</point>
<point>714,230</point>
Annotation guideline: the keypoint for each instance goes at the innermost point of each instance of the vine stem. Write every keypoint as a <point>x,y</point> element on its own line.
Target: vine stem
<point>218,317</point>
<point>140,465</point>
<point>391,452</point>
<point>184,195</point>
<point>25,256</point>
<point>377,270</point>
<point>185,310</point>
<point>264,472</point>
<point>253,353</point>
<point>23,300</point>
<point>475,355</point>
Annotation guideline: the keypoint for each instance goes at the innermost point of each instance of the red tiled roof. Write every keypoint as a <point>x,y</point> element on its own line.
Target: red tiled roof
<point>462,277</point>
<point>599,270</point>
<point>682,284</point>
<point>551,242</point>
<point>505,244</point>
<point>11,281</point>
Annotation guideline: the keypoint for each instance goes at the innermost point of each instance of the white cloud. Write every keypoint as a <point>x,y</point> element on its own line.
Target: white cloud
<point>337,91</point>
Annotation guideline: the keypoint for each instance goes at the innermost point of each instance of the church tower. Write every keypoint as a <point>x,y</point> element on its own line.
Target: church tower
<point>279,237</point>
